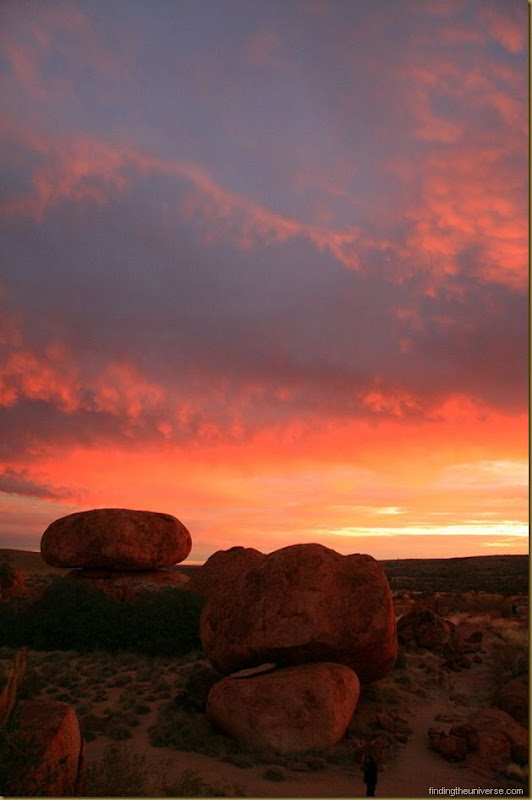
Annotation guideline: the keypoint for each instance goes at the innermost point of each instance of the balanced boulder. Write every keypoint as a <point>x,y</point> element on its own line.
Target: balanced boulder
<point>300,604</point>
<point>116,538</point>
<point>288,710</point>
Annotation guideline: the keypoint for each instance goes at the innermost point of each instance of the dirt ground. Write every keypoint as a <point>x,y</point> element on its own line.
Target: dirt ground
<point>95,685</point>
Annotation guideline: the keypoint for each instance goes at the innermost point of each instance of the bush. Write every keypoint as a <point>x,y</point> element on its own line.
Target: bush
<point>71,615</point>
<point>508,661</point>
<point>120,773</point>
<point>6,575</point>
<point>274,774</point>
<point>197,687</point>
<point>191,784</point>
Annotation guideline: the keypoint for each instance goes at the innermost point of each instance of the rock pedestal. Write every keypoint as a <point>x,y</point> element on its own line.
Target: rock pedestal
<point>119,551</point>
<point>289,710</point>
<point>128,585</point>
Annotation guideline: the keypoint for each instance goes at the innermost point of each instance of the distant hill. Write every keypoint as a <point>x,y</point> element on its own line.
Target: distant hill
<point>33,564</point>
<point>498,574</point>
<point>29,561</point>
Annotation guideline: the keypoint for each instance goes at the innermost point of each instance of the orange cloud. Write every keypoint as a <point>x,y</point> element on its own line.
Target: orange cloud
<point>338,486</point>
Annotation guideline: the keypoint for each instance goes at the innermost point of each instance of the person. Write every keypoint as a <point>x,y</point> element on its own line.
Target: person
<point>370,771</point>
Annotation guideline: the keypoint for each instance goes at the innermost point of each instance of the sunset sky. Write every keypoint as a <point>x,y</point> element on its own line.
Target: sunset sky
<point>264,267</point>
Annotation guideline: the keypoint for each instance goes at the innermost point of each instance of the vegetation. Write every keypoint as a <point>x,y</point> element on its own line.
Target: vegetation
<point>120,773</point>
<point>73,616</point>
<point>6,575</point>
<point>507,575</point>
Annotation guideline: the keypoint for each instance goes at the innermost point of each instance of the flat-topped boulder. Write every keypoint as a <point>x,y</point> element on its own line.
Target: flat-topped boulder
<point>300,604</point>
<point>116,538</point>
<point>126,584</point>
<point>289,710</point>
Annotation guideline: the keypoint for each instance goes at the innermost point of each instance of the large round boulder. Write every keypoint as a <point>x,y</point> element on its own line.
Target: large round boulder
<point>127,585</point>
<point>300,604</point>
<point>222,568</point>
<point>288,710</point>
<point>116,538</point>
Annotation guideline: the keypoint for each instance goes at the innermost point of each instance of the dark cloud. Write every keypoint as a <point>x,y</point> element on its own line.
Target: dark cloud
<point>192,240</point>
<point>19,482</point>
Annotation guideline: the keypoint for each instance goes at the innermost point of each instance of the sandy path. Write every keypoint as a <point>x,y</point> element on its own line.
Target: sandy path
<point>412,771</point>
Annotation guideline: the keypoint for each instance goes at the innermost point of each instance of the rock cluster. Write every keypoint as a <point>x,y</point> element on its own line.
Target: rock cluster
<point>489,738</point>
<point>320,620</point>
<point>301,604</point>
<point>120,551</point>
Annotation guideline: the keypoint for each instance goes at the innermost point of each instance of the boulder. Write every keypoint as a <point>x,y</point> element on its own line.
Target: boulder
<point>11,676</point>
<point>50,732</point>
<point>222,569</point>
<point>492,726</point>
<point>513,698</point>
<point>447,745</point>
<point>116,538</point>
<point>489,739</point>
<point>422,628</point>
<point>128,585</point>
<point>301,604</point>
<point>290,710</point>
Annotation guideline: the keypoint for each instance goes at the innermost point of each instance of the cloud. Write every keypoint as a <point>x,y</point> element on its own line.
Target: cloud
<point>208,268</point>
<point>20,483</point>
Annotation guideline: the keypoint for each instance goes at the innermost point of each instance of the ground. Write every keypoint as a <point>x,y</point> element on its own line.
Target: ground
<point>119,698</point>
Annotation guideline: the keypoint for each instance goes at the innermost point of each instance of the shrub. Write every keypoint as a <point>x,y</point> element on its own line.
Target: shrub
<point>274,774</point>
<point>191,784</point>
<point>72,615</point>
<point>6,575</point>
<point>400,662</point>
<point>190,732</point>
<point>508,661</point>
<point>120,773</point>
<point>197,687</point>
<point>118,732</point>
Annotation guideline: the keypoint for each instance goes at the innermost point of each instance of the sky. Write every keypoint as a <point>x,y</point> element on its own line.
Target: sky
<point>265,268</point>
